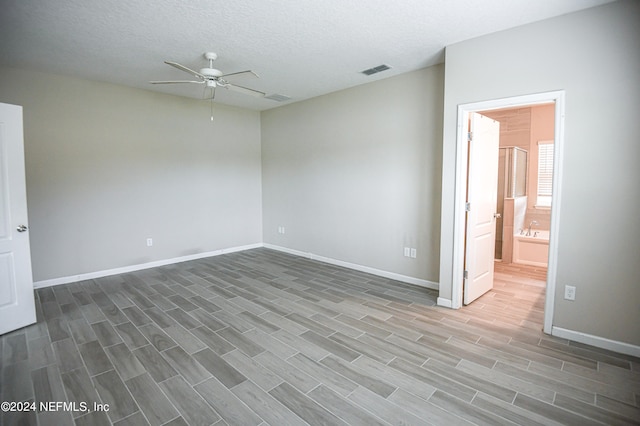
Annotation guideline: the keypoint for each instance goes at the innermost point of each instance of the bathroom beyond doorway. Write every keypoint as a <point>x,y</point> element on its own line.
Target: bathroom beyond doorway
<point>524,189</point>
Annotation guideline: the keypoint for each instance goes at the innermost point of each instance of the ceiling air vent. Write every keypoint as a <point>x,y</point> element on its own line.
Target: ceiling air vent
<point>278,98</point>
<point>376,70</point>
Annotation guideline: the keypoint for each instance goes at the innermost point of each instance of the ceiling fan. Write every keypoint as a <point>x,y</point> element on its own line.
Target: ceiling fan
<point>213,78</point>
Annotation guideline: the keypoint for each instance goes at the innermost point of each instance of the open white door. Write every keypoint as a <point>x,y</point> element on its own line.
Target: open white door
<point>482,187</point>
<point>17,306</point>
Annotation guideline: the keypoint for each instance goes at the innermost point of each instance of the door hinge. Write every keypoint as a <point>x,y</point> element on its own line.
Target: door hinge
<point>465,274</point>
<point>469,136</point>
<point>467,207</point>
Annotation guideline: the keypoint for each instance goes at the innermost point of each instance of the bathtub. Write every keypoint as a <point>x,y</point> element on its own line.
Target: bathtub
<point>531,250</point>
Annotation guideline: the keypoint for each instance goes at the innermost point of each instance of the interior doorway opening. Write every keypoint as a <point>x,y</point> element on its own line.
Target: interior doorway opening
<point>556,99</point>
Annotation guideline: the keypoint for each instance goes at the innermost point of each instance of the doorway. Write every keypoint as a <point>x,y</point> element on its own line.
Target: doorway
<point>464,111</point>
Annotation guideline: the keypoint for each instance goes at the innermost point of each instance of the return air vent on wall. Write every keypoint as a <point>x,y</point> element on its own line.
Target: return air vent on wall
<point>376,70</point>
<point>278,98</point>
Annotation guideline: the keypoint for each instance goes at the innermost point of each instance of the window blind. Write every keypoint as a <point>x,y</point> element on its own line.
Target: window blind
<point>545,172</point>
<point>545,169</point>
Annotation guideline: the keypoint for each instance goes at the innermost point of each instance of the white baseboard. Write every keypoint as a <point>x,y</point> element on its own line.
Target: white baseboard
<point>373,271</point>
<point>446,303</point>
<point>139,267</point>
<point>599,342</point>
<point>289,251</point>
<point>163,262</point>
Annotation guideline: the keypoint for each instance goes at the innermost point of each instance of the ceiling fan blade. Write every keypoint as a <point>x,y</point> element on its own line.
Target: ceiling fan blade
<point>185,69</point>
<point>245,90</point>
<point>175,81</point>
<point>247,73</point>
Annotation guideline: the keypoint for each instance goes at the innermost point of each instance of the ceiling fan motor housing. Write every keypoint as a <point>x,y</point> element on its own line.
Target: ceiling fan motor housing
<point>210,72</point>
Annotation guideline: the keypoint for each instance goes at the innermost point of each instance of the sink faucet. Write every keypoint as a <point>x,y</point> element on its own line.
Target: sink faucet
<point>533,222</point>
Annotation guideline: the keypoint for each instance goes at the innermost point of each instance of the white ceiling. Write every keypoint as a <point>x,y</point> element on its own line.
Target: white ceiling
<point>300,48</point>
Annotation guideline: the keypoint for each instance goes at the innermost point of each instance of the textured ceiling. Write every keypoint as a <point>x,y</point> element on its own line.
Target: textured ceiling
<point>300,48</point>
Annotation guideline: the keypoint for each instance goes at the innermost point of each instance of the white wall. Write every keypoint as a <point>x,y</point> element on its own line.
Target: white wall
<point>355,175</point>
<point>108,166</point>
<point>593,55</point>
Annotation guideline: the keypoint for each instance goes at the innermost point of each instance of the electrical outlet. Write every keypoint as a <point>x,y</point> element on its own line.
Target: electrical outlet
<point>407,252</point>
<point>569,292</point>
<point>149,242</point>
<point>280,229</point>
<point>413,253</point>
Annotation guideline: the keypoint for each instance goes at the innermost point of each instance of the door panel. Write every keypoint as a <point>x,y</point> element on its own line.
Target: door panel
<point>482,197</point>
<point>17,307</point>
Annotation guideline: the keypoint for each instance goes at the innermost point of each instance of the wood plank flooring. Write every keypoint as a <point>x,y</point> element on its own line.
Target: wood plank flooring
<point>264,338</point>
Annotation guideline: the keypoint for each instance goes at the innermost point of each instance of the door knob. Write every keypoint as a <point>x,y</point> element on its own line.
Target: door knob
<point>21,228</point>
<point>497,215</point>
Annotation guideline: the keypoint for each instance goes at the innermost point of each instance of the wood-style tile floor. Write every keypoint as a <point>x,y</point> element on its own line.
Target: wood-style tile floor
<point>261,337</point>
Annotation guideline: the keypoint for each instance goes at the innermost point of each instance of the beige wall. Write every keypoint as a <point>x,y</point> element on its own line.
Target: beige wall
<point>355,175</point>
<point>109,166</point>
<point>593,56</point>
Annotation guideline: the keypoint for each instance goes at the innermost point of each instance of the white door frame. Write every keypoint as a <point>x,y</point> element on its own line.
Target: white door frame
<point>461,190</point>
